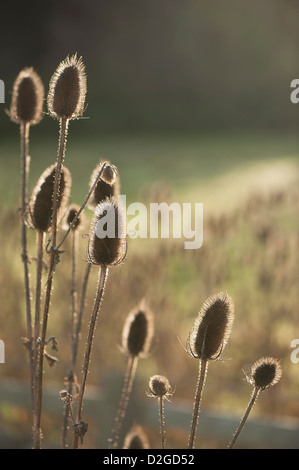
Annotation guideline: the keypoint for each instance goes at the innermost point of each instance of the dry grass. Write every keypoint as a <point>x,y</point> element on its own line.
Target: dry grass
<point>252,252</point>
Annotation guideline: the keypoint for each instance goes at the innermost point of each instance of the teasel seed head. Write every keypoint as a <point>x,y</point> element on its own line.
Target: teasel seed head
<point>107,186</point>
<point>70,216</point>
<point>107,240</point>
<point>138,331</point>
<point>265,372</point>
<point>27,98</point>
<point>67,89</point>
<point>41,203</point>
<point>136,439</point>
<point>159,387</point>
<point>212,327</point>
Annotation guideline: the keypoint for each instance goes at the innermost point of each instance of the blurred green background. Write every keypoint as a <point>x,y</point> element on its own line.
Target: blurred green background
<point>164,65</point>
<point>191,101</point>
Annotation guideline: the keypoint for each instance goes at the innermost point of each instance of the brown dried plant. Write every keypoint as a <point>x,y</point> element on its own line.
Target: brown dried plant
<point>26,110</point>
<point>264,373</point>
<point>137,335</point>
<point>208,338</point>
<point>159,387</point>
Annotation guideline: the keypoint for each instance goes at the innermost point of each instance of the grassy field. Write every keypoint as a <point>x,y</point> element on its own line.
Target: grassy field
<point>248,185</point>
<point>186,164</point>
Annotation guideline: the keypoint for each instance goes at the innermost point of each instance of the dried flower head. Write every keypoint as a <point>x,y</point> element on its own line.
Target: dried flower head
<point>107,240</point>
<point>41,203</point>
<point>70,216</point>
<point>212,327</point>
<point>136,439</point>
<point>138,331</point>
<point>67,89</point>
<point>27,98</point>
<point>159,387</point>
<point>107,187</point>
<point>265,372</point>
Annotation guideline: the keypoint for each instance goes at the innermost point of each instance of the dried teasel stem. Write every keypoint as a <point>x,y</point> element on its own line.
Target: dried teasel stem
<point>107,174</point>
<point>265,373</point>
<point>125,395</point>
<point>209,336</point>
<point>71,378</point>
<point>39,269</point>
<point>159,388</point>
<point>73,210</point>
<point>101,172</point>
<point>38,294</point>
<point>52,262</point>
<point>203,368</point>
<point>24,131</point>
<point>136,341</point>
<point>103,275</point>
<point>40,210</point>
<point>162,422</point>
<point>26,110</point>
<point>106,250</point>
<point>81,309</point>
<point>252,401</point>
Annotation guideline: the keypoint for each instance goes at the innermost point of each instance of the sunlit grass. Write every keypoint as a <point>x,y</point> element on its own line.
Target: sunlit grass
<point>258,268</point>
<point>184,164</point>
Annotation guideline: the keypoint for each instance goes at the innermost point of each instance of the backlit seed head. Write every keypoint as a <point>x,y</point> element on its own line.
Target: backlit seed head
<point>138,331</point>
<point>27,98</point>
<point>67,89</point>
<point>70,216</point>
<point>107,186</point>
<point>136,439</point>
<point>41,203</point>
<point>159,387</point>
<point>265,372</point>
<point>212,327</point>
<point>107,240</point>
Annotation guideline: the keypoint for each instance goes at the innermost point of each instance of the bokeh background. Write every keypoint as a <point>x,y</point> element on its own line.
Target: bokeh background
<point>191,101</point>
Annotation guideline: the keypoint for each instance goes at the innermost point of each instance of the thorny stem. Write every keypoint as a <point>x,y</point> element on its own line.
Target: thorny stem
<point>125,395</point>
<point>252,401</point>
<point>39,270</point>
<point>73,287</point>
<point>71,374</point>
<point>80,314</point>
<point>52,262</point>
<point>25,159</point>
<point>161,413</point>
<point>74,320</point>
<point>54,259</point>
<point>103,274</point>
<point>203,368</point>
<point>77,329</point>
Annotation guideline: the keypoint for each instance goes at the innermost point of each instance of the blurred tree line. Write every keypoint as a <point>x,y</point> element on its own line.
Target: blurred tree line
<point>164,65</point>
